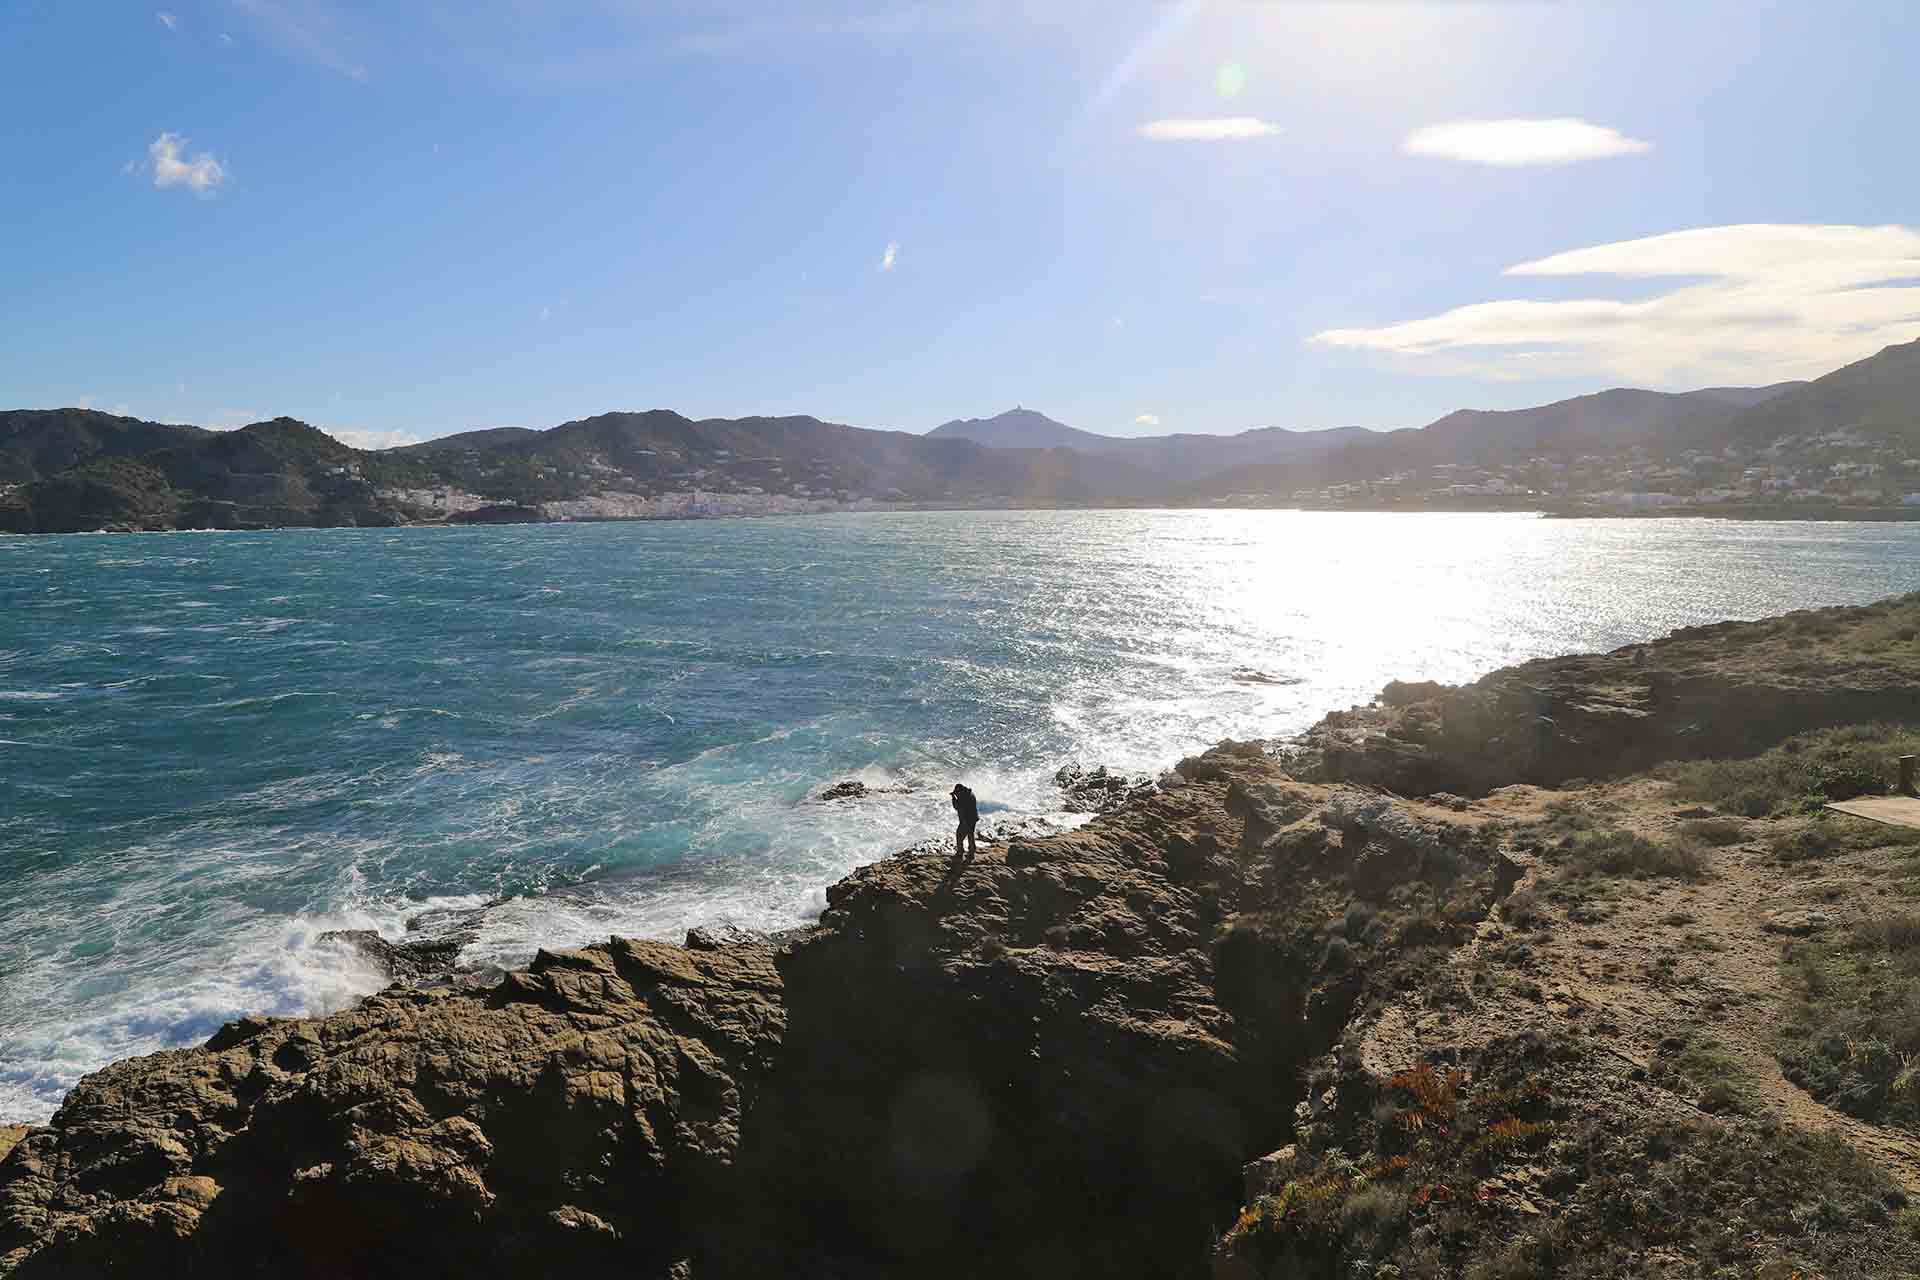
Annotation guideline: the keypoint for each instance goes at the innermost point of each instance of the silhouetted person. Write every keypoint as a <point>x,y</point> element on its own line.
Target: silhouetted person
<point>969,810</point>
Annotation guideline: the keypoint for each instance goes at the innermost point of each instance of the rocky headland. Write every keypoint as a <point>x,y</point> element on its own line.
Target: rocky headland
<point>1499,980</point>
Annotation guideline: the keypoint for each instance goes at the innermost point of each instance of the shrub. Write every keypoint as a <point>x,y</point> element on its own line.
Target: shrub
<point>1804,772</point>
<point>1521,909</point>
<point>1713,831</point>
<point>1624,853</point>
<point>1829,833</point>
<point>1423,1186</point>
<point>1852,1039</point>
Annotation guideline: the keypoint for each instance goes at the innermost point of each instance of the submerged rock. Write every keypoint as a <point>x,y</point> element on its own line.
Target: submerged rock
<point>853,789</point>
<point>421,960</point>
<point>1249,675</point>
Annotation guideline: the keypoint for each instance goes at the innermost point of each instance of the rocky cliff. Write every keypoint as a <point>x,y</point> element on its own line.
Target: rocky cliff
<point>1730,689</point>
<point>1251,1022</point>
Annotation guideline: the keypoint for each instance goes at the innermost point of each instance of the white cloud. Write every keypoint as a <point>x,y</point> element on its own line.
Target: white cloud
<point>1147,420</point>
<point>169,20</point>
<point>225,38</point>
<point>1511,143</point>
<point>372,438</point>
<point>1765,302</point>
<point>1215,129</point>
<point>893,251</point>
<point>166,153</point>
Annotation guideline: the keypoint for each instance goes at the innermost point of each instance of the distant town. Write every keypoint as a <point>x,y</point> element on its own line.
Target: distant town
<point>1838,468</point>
<point>1845,446</point>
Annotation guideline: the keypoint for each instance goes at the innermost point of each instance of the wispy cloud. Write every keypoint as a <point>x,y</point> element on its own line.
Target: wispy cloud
<point>893,251</point>
<point>1515,143</point>
<point>1768,302</point>
<point>309,30</point>
<point>167,158</point>
<point>170,21</point>
<point>746,34</point>
<point>1209,129</point>
<point>373,438</point>
<point>1147,420</point>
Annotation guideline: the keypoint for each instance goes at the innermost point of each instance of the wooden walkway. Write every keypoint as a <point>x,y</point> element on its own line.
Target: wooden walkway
<point>1899,811</point>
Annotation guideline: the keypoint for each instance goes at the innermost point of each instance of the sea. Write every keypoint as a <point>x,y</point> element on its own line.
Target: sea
<point>216,747</point>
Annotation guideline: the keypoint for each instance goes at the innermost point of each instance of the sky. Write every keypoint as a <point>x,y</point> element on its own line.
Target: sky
<point>404,219</point>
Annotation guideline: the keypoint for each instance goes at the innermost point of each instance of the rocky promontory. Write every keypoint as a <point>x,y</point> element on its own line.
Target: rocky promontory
<point>1333,1010</point>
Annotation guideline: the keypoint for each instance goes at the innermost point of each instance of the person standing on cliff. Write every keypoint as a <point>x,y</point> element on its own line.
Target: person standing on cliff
<point>969,811</point>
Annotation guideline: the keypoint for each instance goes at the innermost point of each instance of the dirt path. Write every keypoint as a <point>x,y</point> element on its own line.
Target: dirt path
<point>1652,969</point>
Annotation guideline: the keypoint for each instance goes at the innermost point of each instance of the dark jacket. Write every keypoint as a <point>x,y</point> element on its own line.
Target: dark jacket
<point>965,805</point>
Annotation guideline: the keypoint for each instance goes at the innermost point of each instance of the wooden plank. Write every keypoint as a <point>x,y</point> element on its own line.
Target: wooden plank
<point>1897,811</point>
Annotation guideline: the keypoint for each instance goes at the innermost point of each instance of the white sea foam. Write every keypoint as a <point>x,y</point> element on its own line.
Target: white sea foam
<point>619,729</point>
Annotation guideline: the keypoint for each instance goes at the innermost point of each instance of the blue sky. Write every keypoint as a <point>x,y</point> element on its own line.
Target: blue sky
<point>422,216</point>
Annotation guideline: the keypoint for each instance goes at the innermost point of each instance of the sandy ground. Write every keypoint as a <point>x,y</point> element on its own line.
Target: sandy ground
<point>1642,962</point>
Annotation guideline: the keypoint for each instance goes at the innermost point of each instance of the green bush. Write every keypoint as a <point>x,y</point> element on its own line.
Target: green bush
<point>1802,773</point>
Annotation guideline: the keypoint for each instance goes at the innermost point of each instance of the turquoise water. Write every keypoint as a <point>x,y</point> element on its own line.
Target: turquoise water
<point>214,747</point>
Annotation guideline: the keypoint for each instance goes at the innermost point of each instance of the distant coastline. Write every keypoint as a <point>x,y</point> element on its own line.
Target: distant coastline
<point>1843,447</point>
<point>509,514</point>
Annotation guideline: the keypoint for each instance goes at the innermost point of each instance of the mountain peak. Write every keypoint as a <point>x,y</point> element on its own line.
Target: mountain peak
<point>1019,428</point>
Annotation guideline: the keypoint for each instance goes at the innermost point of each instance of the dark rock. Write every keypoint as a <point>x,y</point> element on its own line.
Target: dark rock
<point>849,790</point>
<point>1097,790</point>
<point>717,937</point>
<point>499,513</point>
<point>1247,675</point>
<point>422,960</point>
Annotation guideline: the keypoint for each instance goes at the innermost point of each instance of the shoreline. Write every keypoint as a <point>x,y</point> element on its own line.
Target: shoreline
<point>1758,514</point>
<point>1091,1043</point>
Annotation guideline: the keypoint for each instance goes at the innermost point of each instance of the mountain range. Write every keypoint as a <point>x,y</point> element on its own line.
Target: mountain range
<point>76,469</point>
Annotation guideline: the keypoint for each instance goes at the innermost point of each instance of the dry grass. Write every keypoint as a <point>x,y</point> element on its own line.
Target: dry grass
<point>1802,773</point>
<point>1426,1185</point>
<point>1852,1038</point>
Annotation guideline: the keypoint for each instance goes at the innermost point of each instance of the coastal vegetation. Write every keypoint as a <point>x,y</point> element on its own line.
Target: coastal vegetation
<point>1804,773</point>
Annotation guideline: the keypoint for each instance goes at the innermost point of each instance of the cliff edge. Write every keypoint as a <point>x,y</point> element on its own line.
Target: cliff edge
<point>1297,1012</point>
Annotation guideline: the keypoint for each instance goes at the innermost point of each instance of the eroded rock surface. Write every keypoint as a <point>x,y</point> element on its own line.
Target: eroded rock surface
<point>1098,790</point>
<point>583,1112</point>
<point>1730,689</point>
<point>412,961</point>
<point>1051,1059</point>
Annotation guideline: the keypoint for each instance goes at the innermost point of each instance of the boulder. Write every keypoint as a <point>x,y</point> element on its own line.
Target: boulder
<point>415,961</point>
<point>591,1103</point>
<point>719,936</point>
<point>1098,791</point>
